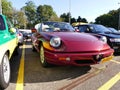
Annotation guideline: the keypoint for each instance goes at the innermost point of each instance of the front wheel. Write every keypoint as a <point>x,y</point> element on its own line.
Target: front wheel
<point>4,72</point>
<point>33,48</point>
<point>16,52</point>
<point>42,57</point>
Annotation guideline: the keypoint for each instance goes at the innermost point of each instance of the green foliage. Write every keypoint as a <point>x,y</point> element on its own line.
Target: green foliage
<point>37,14</point>
<point>73,20</point>
<point>7,8</point>
<point>21,19</point>
<point>65,17</point>
<point>84,20</point>
<point>55,18</point>
<point>79,19</point>
<point>45,13</point>
<point>110,19</point>
<point>30,12</point>
<point>30,15</point>
<point>16,17</point>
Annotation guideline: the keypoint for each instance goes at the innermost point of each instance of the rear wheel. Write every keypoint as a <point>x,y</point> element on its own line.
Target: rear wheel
<point>4,72</point>
<point>42,57</point>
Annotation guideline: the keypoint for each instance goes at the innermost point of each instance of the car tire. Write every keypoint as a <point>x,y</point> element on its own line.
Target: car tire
<point>4,72</point>
<point>42,57</point>
<point>16,52</point>
<point>33,48</point>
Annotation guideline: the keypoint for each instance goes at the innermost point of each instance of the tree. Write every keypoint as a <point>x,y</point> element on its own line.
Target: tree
<point>79,19</point>
<point>21,19</point>
<point>30,12</point>
<point>45,13</point>
<point>84,20</point>
<point>73,20</point>
<point>7,8</point>
<point>65,17</point>
<point>55,18</point>
<point>110,19</point>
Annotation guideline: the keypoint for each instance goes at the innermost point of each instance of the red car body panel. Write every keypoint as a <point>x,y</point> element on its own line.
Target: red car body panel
<point>78,42</point>
<point>77,59</point>
<point>76,49</point>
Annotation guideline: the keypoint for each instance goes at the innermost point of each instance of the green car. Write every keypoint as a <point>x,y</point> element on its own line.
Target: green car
<point>8,44</point>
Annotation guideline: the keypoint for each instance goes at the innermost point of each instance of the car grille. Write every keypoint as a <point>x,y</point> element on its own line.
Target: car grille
<point>85,61</point>
<point>116,44</point>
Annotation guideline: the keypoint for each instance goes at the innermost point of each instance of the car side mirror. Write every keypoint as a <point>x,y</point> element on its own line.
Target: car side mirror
<point>77,30</point>
<point>12,30</point>
<point>33,30</point>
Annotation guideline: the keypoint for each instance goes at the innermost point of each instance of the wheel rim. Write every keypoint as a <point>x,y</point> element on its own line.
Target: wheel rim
<point>6,69</point>
<point>42,55</point>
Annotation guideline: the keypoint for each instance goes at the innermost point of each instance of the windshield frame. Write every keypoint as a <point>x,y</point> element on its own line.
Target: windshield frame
<point>55,27</point>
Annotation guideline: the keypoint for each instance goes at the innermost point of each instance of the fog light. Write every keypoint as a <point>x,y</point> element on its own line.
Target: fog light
<point>98,57</point>
<point>63,58</point>
<point>67,59</point>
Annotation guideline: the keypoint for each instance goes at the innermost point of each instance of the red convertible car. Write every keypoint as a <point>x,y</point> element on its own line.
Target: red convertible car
<point>58,44</point>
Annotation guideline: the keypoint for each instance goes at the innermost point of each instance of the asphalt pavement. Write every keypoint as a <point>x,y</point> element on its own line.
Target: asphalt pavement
<point>28,74</point>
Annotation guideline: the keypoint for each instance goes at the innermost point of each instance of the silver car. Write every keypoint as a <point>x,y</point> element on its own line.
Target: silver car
<point>20,37</point>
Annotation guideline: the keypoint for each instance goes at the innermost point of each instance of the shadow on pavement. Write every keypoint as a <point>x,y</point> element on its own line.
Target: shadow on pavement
<point>14,63</point>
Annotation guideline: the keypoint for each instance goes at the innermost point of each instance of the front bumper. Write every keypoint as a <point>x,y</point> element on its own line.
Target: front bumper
<point>116,46</point>
<point>78,59</point>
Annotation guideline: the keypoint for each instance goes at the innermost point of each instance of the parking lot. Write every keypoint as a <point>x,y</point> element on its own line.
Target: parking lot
<point>28,74</point>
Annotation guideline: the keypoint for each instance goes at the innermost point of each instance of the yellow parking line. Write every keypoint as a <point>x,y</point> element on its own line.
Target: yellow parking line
<point>110,83</point>
<point>20,79</point>
<point>115,61</point>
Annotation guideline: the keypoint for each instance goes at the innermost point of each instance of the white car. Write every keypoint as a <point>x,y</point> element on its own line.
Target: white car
<point>20,37</point>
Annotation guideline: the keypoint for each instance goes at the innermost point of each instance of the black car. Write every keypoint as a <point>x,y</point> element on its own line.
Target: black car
<point>113,30</point>
<point>113,38</point>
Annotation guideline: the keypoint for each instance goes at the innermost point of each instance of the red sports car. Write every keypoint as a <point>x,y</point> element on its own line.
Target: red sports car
<point>58,44</point>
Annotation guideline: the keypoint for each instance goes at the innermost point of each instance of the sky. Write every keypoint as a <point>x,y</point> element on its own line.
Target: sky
<point>89,9</point>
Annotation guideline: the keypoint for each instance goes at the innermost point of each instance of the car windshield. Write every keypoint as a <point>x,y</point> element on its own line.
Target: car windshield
<point>113,30</point>
<point>56,27</point>
<point>99,28</point>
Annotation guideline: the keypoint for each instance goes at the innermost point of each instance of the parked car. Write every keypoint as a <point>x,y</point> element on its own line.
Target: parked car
<point>57,43</point>
<point>113,38</point>
<point>113,30</point>
<point>20,37</point>
<point>26,35</point>
<point>8,46</point>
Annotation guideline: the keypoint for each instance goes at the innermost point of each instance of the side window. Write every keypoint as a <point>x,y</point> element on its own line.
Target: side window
<point>2,24</point>
<point>92,29</point>
<point>83,29</point>
<point>9,23</point>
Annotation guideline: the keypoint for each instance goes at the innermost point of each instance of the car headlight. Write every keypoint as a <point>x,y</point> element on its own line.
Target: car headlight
<point>115,39</point>
<point>55,42</point>
<point>104,39</point>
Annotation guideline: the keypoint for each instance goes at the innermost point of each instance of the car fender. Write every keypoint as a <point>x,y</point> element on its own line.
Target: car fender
<point>3,51</point>
<point>8,47</point>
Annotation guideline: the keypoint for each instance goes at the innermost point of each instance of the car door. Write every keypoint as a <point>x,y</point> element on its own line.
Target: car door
<point>13,40</point>
<point>84,28</point>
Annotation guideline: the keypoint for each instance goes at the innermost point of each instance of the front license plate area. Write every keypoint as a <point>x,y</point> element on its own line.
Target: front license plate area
<point>106,59</point>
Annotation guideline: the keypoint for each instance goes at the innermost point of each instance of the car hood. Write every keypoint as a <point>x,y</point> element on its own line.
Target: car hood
<point>76,42</point>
